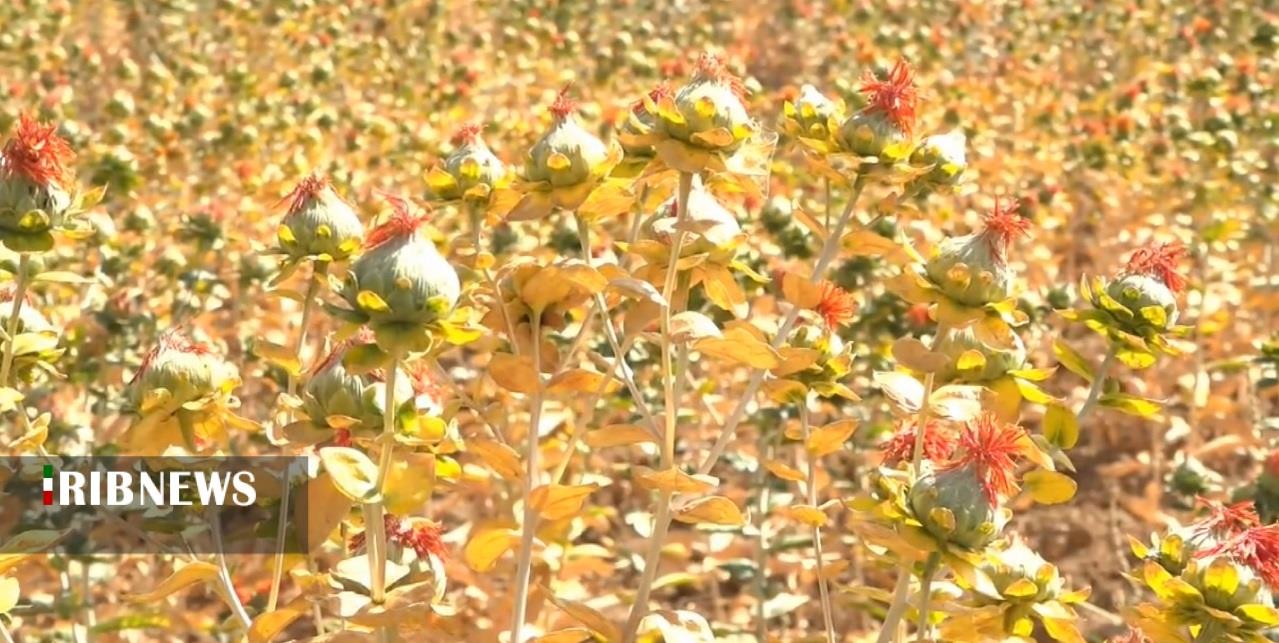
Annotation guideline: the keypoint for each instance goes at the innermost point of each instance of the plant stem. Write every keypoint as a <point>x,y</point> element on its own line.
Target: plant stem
<point>317,272</point>
<point>1098,384</point>
<point>894,615</point>
<point>277,574</point>
<point>926,593</point>
<point>11,325</point>
<point>729,430</point>
<point>925,408</point>
<point>224,575</point>
<point>529,531</point>
<point>761,540</point>
<point>810,487</point>
<point>374,513</point>
<point>661,522</point>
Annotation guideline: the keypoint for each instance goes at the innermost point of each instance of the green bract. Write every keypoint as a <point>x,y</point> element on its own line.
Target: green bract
<point>566,155</point>
<point>29,212</point>
<point>952,507</point>
<point>1140,294</point>
<point>319,222</point>
<point>994,364</point>
<point>873,133</point>
<point>403,280</point>
<point>968,270</point>
<point>945,154</point>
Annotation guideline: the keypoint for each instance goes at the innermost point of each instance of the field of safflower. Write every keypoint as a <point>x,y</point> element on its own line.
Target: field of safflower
<point>654,320</point>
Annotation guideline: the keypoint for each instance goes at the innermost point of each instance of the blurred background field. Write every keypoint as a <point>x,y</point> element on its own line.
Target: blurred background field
<point>1112,123</point>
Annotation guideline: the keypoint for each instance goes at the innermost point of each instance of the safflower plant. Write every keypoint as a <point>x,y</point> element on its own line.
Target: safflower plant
<point>664,345</point>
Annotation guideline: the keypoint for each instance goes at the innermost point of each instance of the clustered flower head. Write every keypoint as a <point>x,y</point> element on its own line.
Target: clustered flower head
<point>1216,576</point>
<point>959,502</point>
<point>421,536</point>
<point>994,363</point>
<point>1148,287</point>
<point>884,128</point>
<point>938,445</point>
<point>400,283</point>
<point>319,223</point>
<point>567,155</point>
<point>811,114</point>
<point>973,269</point>
<point>639,122</point>
<point>710,111</point>
<point>35,185</point>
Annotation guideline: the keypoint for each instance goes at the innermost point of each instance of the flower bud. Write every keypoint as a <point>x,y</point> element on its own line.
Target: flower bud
<point>187,370</point>
<point>946,155</point>
<point>471,165</point>
<point>884,128</point>
<point>972,269</point>
<point>319,222</point>
<point>1148,288</point>
<point>1020,563</point>
<point>997,362</point>
<point>332,390</point>
<point>640,122</point>
<point>710,111</point>
<point>413,284</point>
<point>717,229</point>
<point>34,183</point>
<point>960,503</point>
<point>567,154</point>
<point>812,113</point>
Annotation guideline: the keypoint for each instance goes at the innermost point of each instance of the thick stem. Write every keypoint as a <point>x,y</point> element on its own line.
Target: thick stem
<point>926,594</point>
<point>670,413</point>
<point>531,470</point>
<point>277,574</point>
<point>1098,385</point>
<point>312,288</point>
<point>888,629</point>
<point>810,487</point>
<point>375,513</point>
<point>11,325</point>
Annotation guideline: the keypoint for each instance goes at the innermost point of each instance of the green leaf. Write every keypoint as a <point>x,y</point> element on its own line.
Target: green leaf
<point>1135,359</point>
<point>1060,426</point>
<point>1131,404</point>
<point>1049,487</point>
<point>1031,392</point>
<point>1073,361</point>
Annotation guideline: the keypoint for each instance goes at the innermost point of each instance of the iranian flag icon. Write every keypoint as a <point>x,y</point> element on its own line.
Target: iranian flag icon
<point>48,484</point>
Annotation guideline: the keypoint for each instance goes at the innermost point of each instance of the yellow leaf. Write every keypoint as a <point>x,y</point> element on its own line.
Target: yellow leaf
<point>800,291</point>
<point>284,357</point>
<point>905,391</point>
<point>370,301</point>
<point>1049,487</point>
<point>190,574</point>
<point>488,545</point>
<point>557,502</point>
<point>674,481</point>
<point>587,616</point>
<point>716,510</point>
<point>912,354</point>
<point>741,347</point>
<point>828,439</point>
<point>325,508</point>
<point>616,435</point>
<point>20,547</point>
<point>784,471</point>
<point>9,592</point>
<point>267,626</point>
<point>570,635</point>
<point>971,359</point>
<point>410,482</point>
<point>577,380</point>
<point>865,243</point>
<point>354,474</point>
<point>513,372</point>
<point>1060,426</point>
<point>805,514</point>
<point>502,458</point>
